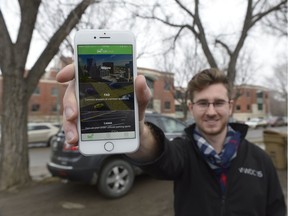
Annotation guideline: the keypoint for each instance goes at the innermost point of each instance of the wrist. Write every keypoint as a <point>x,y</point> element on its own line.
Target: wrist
<point>151,143</point>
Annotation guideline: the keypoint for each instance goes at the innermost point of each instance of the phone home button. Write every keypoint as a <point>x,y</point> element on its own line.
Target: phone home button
<point>109,146</point>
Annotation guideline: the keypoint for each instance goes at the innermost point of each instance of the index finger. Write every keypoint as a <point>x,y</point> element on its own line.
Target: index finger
<point>66,74</point>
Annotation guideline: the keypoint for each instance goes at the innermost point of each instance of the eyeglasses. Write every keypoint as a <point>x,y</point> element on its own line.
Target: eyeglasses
<point>218,105</point>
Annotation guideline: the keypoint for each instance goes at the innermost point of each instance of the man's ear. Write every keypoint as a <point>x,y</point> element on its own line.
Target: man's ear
<point>231,105</point>
<point>190,106</point>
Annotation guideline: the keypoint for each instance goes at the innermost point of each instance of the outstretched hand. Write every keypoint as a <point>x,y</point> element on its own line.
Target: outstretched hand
<point>67,74</point>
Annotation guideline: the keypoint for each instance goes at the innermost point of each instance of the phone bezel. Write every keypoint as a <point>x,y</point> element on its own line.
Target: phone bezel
<point>94,37</point>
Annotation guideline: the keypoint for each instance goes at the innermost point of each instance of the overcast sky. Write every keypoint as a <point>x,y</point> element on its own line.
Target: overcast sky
<point>220,16</point>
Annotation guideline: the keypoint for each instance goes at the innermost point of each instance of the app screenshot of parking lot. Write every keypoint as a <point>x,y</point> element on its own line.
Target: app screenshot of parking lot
<point>106,91</point>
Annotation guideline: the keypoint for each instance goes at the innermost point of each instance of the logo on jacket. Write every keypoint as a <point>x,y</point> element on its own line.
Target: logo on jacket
<point>252,172</point>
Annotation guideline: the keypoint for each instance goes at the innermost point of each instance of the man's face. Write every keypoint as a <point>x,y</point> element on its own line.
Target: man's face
<point>211,119</point>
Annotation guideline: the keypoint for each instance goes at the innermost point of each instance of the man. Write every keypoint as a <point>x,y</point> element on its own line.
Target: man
<point>215,170</point>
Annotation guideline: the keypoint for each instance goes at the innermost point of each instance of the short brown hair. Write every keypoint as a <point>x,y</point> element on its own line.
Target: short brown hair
<point>206,78</point>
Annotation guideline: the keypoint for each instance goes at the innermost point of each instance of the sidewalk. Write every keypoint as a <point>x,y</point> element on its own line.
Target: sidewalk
<point>39,173</point>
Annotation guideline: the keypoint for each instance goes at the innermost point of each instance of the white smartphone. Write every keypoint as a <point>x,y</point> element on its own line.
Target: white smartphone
<point>105,71</point>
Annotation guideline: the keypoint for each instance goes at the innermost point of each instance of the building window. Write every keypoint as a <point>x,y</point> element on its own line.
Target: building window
<point>179,108</point>
<point>238,107</point>
<point>36,91</point>
<point>167,105</point>
<point>247,94</point>
<point>54,91</point>
<point>167,85</point>
<point>259,97</point>
<point>150,105</point>
<point>150,84</point>
<point>35,107</point>
<point>54,108</point>
<point>248,107</point>
<point>260,100</point>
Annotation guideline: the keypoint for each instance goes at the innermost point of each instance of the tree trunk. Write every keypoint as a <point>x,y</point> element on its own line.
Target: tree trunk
<point>14,149</point>
<point>18,87</point>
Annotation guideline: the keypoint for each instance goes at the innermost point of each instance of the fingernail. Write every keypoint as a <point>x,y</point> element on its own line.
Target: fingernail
<point>69,136</point>
<point>68,113</point>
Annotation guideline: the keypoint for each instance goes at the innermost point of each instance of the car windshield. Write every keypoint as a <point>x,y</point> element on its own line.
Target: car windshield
<point>172,126</point>
<point>254,120</point>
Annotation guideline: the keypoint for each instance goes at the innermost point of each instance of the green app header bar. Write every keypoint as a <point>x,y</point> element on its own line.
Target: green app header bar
<point>104,49</point>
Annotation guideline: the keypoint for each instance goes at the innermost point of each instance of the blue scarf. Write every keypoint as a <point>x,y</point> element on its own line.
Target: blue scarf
<point>219,163</point>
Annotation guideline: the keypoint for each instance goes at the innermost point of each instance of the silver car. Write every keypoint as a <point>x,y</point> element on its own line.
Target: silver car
<point>41,132</point>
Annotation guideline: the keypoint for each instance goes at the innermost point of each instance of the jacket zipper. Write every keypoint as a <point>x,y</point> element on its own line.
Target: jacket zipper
<point>223,194</point>
<point>223,202</point>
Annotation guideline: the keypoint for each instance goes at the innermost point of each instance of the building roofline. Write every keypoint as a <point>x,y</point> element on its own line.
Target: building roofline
<point>155,71</point>
<point>252,87</point>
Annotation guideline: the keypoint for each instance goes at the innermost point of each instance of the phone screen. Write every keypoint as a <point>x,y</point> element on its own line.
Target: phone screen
<point>106,92</point>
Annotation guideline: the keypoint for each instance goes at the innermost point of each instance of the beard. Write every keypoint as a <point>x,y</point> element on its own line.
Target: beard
<point>212,126</point>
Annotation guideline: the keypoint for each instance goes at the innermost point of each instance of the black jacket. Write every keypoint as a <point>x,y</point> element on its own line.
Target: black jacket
<point>253,188</point>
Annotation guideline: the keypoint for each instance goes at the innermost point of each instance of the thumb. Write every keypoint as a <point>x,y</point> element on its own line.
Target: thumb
<point>143,95</point>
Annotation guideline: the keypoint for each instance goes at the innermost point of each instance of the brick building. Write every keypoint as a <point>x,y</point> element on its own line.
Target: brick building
<point>46,102</point>
<point>162,90</point>
<point>251,101</point>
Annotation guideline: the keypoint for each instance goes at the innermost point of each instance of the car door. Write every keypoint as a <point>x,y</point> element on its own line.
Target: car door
<point>172,127</point>
<point>155,119</point>
<point>38,133</point>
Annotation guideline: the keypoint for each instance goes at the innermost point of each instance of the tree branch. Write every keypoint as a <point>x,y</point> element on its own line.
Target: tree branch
<point>259,16</point>
<point>225,46</point>
<point>29,10</point>
<point>184,8</point>
<point>6,45</point>
<point>161,20</point>
<point>52,47</point>
<point>201,36</point>
<point>248,24</point>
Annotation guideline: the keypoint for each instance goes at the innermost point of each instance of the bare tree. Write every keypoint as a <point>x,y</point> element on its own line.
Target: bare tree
<point>255,12</point>
<point>51,16</point>
<point>277,23</point>
<point>18,86</point>
<point>246,69</point>
<point>279,76</point>
<point>281,81</point>
<point>184,68</point>
<point>278,85</point>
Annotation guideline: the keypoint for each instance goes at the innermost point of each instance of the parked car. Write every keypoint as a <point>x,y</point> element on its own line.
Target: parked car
<point>256,122</point>
<point>285,118</point>
<point>190,121</point>
<point>113,175</point>
<point>276,121</point>
<point>41,132</point>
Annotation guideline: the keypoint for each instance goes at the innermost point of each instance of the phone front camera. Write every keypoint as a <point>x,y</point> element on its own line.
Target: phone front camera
<point>94,37</point>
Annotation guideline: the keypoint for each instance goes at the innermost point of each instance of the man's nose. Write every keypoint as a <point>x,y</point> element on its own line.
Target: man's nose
<point>211,109</point>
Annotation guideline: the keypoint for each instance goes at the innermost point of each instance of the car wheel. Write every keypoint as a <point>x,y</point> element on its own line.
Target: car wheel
<point>52,141</point>
<point>116,179</point>
<point>48,144</point>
